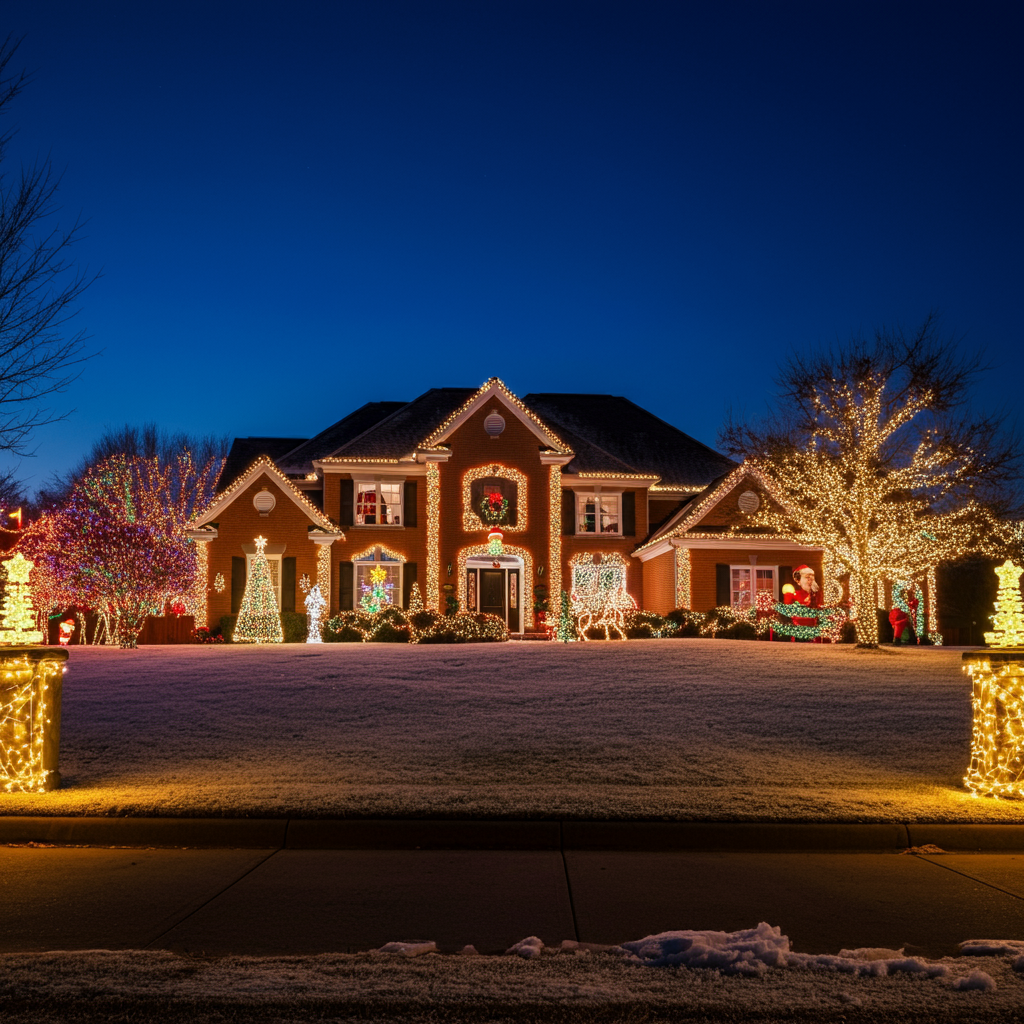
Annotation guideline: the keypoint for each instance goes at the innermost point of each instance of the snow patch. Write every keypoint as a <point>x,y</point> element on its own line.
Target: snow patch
<point>412,947</point>
<point>753,950</point>
<point>976,980</point>
<point>527,948</point>
<point>991,947</point>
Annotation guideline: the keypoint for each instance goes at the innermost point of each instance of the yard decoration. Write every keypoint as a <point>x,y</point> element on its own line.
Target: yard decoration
<point>259,621</point>
<point>315,605</point>
<point>997,697</point>
<point>566,631</point>
<point>495,539</point>
<point>415,599</point>
<point>876,461</point>
<point>600,600</point>
<point>30,692</point>
<point>19,617</point>
<point>375,594</point>
<point>1008,621</point>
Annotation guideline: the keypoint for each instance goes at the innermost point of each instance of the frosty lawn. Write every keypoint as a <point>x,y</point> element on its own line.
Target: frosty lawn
<point>666,729</point>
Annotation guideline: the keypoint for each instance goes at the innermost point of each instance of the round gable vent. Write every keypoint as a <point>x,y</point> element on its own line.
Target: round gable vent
<point>749,502</point>
<point>264,501</point>
<point>494,424</point>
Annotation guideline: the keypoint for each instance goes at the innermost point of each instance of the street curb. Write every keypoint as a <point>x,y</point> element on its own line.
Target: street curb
<point>576,836</point>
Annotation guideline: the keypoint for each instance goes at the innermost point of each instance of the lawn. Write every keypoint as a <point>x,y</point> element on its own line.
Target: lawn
<point>655,729</point>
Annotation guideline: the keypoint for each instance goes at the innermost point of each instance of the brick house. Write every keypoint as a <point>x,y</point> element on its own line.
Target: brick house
<point>589,479</point>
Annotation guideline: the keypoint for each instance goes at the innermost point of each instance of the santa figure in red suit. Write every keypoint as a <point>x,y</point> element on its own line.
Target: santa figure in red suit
<point>805,592</point>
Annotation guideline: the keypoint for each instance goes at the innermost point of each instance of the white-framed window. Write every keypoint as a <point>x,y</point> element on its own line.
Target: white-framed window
<point>378,503</point>
<point>747,581</point>
<point>599,514</point>
<point>274,564</point>
<point>387,590</point>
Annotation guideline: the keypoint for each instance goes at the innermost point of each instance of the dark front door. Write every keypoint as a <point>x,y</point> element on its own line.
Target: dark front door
<point>492,591</point>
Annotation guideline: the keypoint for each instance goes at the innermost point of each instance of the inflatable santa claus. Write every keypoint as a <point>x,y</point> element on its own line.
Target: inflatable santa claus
<point>805,592</point>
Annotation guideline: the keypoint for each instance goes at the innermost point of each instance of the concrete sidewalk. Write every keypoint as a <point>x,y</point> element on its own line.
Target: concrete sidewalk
<point>278,887</point>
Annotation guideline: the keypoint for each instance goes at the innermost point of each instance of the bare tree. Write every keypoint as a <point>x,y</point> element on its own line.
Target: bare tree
<point>881,462</point>
<point>191,463</point>
<point>40,286</point>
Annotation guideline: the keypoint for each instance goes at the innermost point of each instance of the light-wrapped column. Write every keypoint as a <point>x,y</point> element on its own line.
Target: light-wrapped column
<point>997,735</point>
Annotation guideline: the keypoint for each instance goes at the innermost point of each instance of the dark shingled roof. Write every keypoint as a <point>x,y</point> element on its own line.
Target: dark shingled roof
<point>327,442</point>
<point>618,433</point>
<point>407,428</point>
<point>246,450</point>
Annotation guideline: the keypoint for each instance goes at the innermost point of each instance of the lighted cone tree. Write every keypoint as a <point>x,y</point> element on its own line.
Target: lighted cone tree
<point>259,621</point>
<point>566,631</point>
<point>19,617</point>
<point>874,460</point>
<point>1008,621</point>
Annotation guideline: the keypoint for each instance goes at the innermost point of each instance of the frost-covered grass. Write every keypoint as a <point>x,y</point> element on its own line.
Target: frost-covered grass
<point>575,987</point>
<point>671,729</point>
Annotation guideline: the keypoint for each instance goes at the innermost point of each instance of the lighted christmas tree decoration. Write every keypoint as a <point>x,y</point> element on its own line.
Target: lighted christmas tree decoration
<point>19,617</point>
<point>259,621</point>
<point>315,605</point>
<point>1008,621</point>
<point>566,631</point>
<point>415,599</point>
<point>375,594</point>
<point>495,540</point>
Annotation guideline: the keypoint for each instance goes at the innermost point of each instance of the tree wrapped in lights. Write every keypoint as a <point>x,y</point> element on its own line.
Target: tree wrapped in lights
<point>259,620</point>
<point>117,545</point>
<point>1008,621</point>
<point>876,461</point>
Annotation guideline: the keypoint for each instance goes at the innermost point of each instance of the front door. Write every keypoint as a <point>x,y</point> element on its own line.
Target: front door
<point>492,591</point>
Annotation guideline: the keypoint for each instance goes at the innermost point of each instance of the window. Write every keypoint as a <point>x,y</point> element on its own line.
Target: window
<point>747,581</point>
<point>598,513</point>
<point>378,503</point>
<point>376,590</point>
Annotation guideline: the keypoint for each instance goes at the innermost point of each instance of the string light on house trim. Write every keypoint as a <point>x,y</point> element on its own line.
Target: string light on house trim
<point>433,535</point>
<point>555,530</point>
<point>438,434</point>
<point>684,598</point>
<point>471,520</point>
<point>510,549</point>
<point>369,554</point>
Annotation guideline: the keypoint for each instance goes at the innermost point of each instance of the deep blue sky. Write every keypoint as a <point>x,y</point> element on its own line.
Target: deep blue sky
<point>300,207</point>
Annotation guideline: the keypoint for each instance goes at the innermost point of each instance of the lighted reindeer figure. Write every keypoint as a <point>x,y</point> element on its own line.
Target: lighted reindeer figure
<point>599,596</point>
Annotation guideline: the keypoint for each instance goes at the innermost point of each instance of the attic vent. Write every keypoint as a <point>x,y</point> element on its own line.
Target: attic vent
<point>264,502</point>
<point>494,424</point>
<point>749,502</point>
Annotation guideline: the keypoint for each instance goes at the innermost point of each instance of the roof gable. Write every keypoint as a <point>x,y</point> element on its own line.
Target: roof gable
<point>245,449</point>
<point>495,388</point>
<point>264,466</point>
<point>707,507</point>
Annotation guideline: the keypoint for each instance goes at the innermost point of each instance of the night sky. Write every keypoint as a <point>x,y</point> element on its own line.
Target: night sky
<point>301,207</point>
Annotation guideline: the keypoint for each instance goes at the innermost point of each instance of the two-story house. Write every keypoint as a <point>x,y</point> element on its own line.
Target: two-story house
<point>589,480</point>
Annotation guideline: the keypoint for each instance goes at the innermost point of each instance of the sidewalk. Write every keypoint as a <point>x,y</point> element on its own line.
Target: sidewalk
<point>221,886</point>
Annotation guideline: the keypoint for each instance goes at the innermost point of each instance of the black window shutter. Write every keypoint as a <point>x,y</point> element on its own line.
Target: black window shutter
<point>287,584</point>
<point>629,514</point>
<point>408,579</point>
<point>723,598</point>
<point>237,583</point>
<point>347,499</point>
<point>568,513</point>
<point>785,576</point>
<point>409,503</point>
<point>346,581</point>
